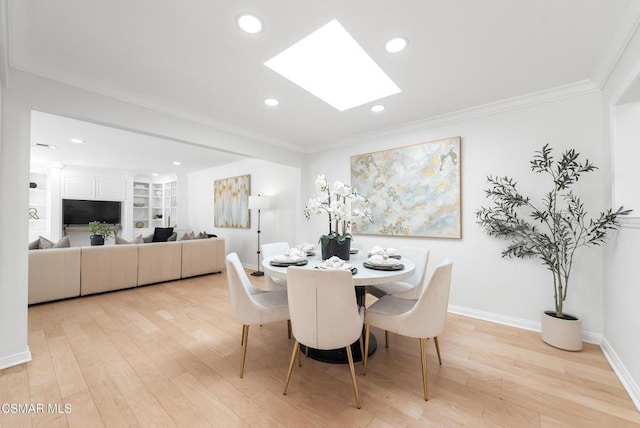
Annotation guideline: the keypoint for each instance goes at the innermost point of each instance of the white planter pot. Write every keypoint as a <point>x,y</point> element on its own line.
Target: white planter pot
<point>562,333</point>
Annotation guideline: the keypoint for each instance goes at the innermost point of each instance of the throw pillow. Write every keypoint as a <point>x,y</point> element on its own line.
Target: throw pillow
<point>138,240</point>
<point>161,234</point>
<point>34,245</point>
<point>45,243</point>
<point>173,237</point>
<point>63,243</point>
<point>186,237</point>
<point>202,235</point>
<point>148,238</point>
<point>121,240</point>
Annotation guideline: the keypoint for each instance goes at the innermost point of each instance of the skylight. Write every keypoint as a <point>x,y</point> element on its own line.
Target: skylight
<point>331,65</point>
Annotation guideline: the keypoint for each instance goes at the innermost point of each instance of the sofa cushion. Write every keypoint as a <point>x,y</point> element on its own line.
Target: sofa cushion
<point>63,243</point>
<point>34,245</point>
<point>161,234</point>
<point>173,237</point>
<point>120,240</point>
<point>147,239</point>
<point>188,236</point>
<point>45,243</point>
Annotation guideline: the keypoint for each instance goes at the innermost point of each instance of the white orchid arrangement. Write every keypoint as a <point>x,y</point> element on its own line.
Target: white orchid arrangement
<point>344,205</point>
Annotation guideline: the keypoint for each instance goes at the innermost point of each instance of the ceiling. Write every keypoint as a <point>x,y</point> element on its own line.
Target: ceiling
<point>190,59</point>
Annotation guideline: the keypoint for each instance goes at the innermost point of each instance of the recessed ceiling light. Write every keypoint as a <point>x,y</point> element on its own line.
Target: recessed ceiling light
<point>331,65</point>
<point>155,174</point>
<point>77,140</point>
<point>377,108</point>
<point>176,163</point>
<point>396,44</point>
<point>250,23</point>
<point>271,102</point>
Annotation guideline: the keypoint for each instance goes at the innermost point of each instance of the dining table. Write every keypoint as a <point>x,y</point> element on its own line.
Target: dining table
<point>362,277</point>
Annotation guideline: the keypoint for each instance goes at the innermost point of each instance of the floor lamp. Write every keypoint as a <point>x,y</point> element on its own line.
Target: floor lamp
<point>259,203</point>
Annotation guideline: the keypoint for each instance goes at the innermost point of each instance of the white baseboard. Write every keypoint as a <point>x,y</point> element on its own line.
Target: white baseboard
<point>15,359</point>
<point>587,336</point>
<point>590,337</point>
<point>620,370</point>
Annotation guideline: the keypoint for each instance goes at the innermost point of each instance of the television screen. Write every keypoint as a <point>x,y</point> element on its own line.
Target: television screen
<point>76,211</point>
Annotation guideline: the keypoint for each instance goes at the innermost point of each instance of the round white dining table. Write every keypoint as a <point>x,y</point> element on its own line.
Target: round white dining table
<point>364,276</point>
<point>361,279</point>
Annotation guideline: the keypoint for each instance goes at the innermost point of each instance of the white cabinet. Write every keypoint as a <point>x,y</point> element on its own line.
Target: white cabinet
<point>101,188</point>
<point>110,188</point>
<point>171,203</point>
<point>78,187</point>
<point>154,205</point>
<point>140,205</point>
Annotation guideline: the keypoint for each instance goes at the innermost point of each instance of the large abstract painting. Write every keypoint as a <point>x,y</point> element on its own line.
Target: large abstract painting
<point>412,190</point>
<point>231,202</point>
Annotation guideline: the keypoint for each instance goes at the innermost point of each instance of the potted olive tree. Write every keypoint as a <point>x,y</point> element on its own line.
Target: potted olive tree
<point>551,230</point>
<point>99,232</point>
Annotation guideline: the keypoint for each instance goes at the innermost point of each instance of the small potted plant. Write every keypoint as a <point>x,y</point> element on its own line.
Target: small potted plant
<point>551,231</point>
<point>99,232</point>
<point>344,205</point>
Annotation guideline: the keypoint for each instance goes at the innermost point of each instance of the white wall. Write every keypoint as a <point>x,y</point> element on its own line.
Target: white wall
<point>621,342</point>
<point>280,182</point>
<point>626,152</point>
<point>512,291</point>
<point>14,200</point>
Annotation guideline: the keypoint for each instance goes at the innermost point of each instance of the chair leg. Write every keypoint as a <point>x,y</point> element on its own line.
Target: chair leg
<point>423,357</point>
<point>300,357</point>
<point>386,339</point>
<point>435,339</point>
<point>353,375</point>
<point>365,356</point>
<point>362,348</point>
<point>289,329</point>
<point>296,349</point>
<point>245,337</point>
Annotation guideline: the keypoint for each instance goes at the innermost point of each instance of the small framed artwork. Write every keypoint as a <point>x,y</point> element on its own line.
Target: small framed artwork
<point>231,202</point>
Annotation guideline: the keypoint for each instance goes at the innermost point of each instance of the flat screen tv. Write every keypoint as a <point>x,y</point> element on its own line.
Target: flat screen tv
<point>75,211</point>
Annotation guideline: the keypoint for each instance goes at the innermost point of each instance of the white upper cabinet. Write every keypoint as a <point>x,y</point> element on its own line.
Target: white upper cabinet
<point>86,186</point>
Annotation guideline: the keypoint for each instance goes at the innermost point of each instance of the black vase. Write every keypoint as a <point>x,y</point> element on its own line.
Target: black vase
<point>97,240</point>
<point>335,248</point>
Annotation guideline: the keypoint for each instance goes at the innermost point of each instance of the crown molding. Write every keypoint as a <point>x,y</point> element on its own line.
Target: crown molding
<point>515,103</point>
<point>624,28</point>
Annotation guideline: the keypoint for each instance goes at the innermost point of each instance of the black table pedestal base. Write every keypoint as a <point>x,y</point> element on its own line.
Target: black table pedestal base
<point>339,356</point>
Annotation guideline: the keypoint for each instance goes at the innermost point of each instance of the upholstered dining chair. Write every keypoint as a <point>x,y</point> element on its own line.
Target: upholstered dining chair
<point>412,286</point>
<point>270,250</point>
<point>423,318</point>
<point>324,314</point>
<point>250,305</point>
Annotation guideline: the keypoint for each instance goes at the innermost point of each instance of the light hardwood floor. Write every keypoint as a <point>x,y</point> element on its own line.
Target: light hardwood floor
<point>168,355</point>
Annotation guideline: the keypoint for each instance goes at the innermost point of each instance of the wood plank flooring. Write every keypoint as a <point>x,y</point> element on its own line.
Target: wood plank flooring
<point>167,355</point>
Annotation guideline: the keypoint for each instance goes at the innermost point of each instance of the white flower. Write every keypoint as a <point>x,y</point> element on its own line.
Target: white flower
<point>337,204</point>
<point>321,184</point>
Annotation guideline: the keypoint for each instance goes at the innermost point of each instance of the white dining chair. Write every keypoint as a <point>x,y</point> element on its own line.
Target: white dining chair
<point>271,250</point>
<point>324,314</point>
<point>250,305</point>
<point>411,287</point>
<point>422,318</point>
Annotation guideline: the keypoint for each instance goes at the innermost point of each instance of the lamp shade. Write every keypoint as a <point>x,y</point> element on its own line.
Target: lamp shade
<point>259,202</point>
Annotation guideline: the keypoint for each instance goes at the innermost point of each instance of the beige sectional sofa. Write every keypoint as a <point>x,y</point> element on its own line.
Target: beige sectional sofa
<point>78,271</point>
